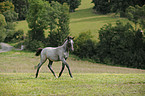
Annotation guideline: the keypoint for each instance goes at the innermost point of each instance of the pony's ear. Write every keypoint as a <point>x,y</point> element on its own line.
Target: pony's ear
<point>68,37</point>
<point>73,37</point>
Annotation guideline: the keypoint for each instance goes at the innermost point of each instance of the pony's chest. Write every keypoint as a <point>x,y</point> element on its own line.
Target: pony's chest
<point>66,54</point>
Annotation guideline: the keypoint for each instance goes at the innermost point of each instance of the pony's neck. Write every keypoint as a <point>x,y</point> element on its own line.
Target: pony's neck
<point>65,46</point>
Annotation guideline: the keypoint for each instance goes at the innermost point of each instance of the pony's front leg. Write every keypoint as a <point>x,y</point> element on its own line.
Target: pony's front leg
<point>50,67</point>
<point>64,62</point>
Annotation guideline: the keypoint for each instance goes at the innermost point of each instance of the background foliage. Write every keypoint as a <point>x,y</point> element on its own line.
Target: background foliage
<point>21,7</point>
<point>117,6</point>
<point>118,45</point>
<point>73,4</point>
<point>56,20</point>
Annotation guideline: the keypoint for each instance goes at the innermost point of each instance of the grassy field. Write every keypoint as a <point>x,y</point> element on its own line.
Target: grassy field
<point>17,73</point>
<point>17,78</point>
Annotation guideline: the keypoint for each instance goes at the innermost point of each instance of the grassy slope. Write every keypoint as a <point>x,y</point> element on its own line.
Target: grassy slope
<point>84,19</point>
<point>17,78</point>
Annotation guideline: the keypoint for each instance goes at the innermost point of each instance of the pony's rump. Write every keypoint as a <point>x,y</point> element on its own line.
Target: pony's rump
<point>38,51</point>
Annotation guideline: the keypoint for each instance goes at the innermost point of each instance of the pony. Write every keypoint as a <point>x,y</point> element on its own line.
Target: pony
<point>60,53</point>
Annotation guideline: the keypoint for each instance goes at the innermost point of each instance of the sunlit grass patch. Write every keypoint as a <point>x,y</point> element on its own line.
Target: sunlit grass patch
<point>82,84</point>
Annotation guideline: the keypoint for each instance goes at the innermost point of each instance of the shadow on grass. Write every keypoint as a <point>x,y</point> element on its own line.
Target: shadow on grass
<point>87,15</point>
<point>83,13</point>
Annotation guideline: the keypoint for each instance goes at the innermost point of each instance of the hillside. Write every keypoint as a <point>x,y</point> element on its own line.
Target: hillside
<point>84,19</point>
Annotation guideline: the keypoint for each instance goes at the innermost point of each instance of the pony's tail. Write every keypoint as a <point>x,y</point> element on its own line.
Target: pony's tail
<point>38,51</point>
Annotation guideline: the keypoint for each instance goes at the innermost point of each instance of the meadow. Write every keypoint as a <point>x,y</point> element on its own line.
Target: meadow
<point>17,78</point>
<point>17,72</point>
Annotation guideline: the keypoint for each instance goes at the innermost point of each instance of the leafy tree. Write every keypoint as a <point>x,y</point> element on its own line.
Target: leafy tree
<point>102,6</point>
<point>59,24</point>
<point>21,7</point>
<point>84,46</point>
<point>72,3</point>
<point>2,21</point>
<point>4,6</point>
<point>121,45</point>
<point>136,14</point>
<point>43,16</point>
<point>37,22</point>
<point>2,34</point>
<point>117,6</point>
<point>10,15</point>
<point>2,29</point>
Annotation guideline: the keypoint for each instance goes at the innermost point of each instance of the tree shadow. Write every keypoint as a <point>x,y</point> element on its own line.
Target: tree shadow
<point>82,13</point>
<point>92,19</point>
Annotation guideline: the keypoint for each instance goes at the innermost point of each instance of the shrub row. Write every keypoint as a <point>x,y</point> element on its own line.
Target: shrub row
<point>118,45</point>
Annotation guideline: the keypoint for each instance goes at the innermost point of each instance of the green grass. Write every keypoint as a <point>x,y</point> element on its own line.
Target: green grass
<point>90,79</point>
<point>23,25</point>
<point>17,78</point>
<point>88,84</point>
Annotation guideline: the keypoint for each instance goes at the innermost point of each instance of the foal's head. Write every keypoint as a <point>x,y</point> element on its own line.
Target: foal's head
<point>70,43</point>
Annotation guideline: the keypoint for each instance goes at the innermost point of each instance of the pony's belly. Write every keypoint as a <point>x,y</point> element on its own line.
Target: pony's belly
<point>55,58</point>
<point>52,56</point>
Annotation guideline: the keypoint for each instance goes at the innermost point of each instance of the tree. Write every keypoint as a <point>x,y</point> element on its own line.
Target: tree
<point>101,6</point>
<point>137,15</point>
<point>37,21</point>
<point>2,29</point>
<point>117,6</point>
<point>53,17</point>
<point>10,15</point>
<point>2,21</point>
<point>72,3</point>
<point>4,6</point>
<point>59,24</point>
<point>84,46</point>
<point>121,45</point>
<point>21,7</point>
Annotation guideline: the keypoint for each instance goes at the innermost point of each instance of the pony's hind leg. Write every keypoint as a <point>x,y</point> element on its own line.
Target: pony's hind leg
<point>50,67</point>
<point>42,61</point>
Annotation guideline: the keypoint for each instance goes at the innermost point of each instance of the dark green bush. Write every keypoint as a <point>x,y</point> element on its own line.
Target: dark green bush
<point>11,34</point>
<point>73,4</point>
<point>33,45</point>
<point>2,34</point>
<point>121,45</point>
<point>10,15</point>
<point>84,46</point>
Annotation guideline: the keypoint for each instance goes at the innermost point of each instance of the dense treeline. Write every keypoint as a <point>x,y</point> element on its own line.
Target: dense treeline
<point>117,6</point>
<point>118,45</point>
<point>121,45</point>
